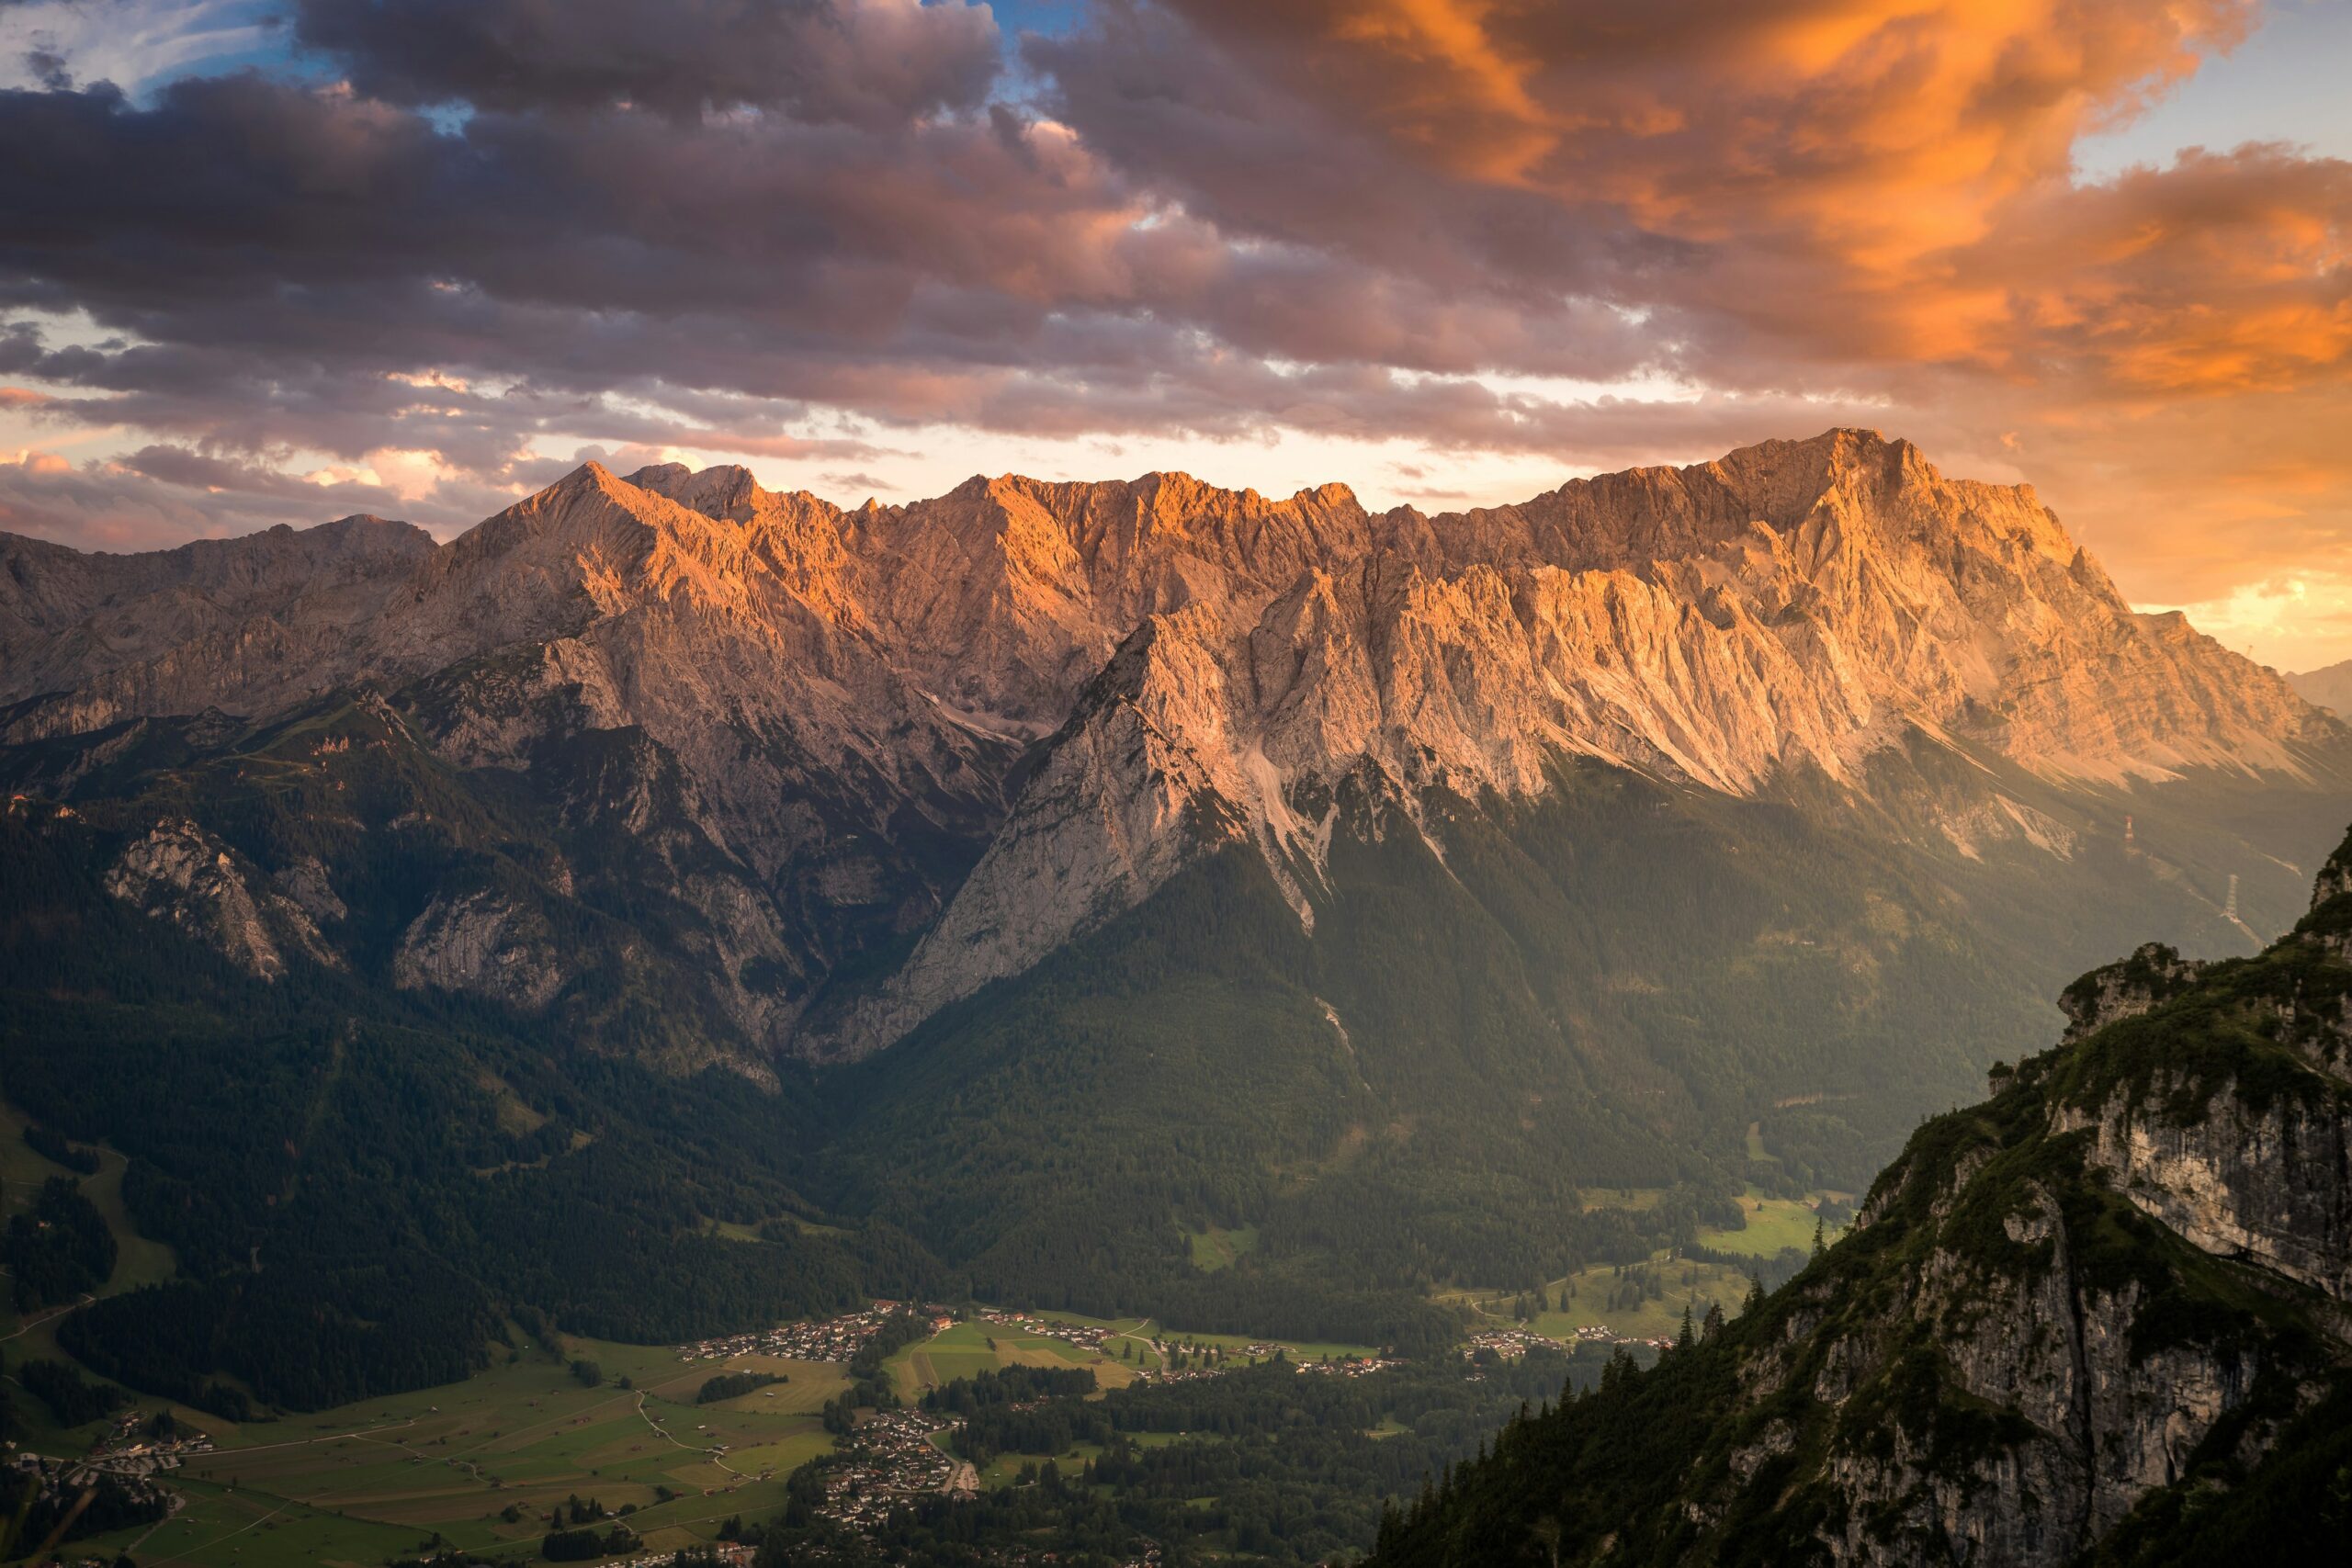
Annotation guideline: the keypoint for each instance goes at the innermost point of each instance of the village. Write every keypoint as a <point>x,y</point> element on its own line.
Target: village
<point>1352,1366</point>
<point>836,1340</point>
<point>1180,1359</point>
<point>894,1457</point>
<point>1512,1343</point>
<point>134,1447</point>
<point>1085,1336</point>
<point>67,1488</point>
<point>728,1553</point>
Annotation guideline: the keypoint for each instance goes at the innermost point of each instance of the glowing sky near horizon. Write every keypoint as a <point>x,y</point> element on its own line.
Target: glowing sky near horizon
<point>281,260</point>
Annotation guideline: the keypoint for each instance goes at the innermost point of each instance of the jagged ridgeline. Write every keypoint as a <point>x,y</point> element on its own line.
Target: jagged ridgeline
<point>2100,1318</point>
<point>672,903</point>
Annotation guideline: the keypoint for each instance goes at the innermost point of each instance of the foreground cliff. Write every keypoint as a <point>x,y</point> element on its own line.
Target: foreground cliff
<point>2102,1317</point>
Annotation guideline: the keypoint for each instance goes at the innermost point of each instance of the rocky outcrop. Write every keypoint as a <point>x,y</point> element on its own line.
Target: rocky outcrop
<point>2126,989</point>
<point>2268,1184</point>
<point>307,884</point>
<point>1127,796</point>
<point>485,944</point>
<point>2334,879</point>
<point>179,873</point>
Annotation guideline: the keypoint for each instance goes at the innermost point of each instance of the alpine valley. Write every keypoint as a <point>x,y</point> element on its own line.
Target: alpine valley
<point>671,906</point>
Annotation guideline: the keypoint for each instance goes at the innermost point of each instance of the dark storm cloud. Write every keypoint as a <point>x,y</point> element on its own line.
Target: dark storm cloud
<point>865,62</point>
<point>269,252</point>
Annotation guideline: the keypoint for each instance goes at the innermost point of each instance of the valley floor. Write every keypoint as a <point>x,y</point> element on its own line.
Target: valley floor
<point>388,1477</point>
<point>481,1465</point>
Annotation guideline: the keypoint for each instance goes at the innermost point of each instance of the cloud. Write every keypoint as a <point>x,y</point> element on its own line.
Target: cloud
<point>864,62</point>
<point>158,499</point>
<point>1802,200</point>
<point>1571,227</point>
<point>132,43</point>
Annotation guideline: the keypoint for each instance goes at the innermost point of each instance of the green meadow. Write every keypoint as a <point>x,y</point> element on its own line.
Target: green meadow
<point>1584,1298</point>
<point>388,1476</point>
<point>969,1348</point>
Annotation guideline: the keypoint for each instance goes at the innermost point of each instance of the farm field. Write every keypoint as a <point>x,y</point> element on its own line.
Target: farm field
<point>390,1477</point>
<point>1707,1283</point>
<point>1005,1469</point>
<point>1644,1319</point>
<point>384,1477</point>
<point>979,1346</point>
<point>1773,1224</point>
<point>1215,1247</point>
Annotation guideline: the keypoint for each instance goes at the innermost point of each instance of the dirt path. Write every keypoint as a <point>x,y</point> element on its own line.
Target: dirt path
<point>711,1454</point>
<point>49,1315</point>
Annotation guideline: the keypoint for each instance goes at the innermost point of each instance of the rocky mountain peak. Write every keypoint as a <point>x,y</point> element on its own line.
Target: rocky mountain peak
<point>1790,608</point>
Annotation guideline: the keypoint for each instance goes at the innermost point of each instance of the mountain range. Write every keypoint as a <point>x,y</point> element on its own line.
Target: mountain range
<point>2330,688</point>
<point>995,889</point>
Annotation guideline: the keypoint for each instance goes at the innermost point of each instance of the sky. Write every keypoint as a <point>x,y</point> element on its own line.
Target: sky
<point>279,261</point>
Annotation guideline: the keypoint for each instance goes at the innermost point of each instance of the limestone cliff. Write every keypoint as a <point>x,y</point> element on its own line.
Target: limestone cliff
<point>182,875</point>
<point>1795,606</point>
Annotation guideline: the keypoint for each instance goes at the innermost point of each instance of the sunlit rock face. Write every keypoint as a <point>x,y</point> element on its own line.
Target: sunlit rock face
<point>1003,715</point>
<point>1795,605</point>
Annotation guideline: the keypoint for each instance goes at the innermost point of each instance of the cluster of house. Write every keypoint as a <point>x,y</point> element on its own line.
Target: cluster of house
<point>894,1457</point>
<point>835,1339</point>
<point>123,1452</point>
<point>1352,1366</point>
<point>134,1486</point>
<point>732,1553</point>
<point>1086,1336</point>
<point>1512,1343</point>
<point>1146,1556</point>
<point>1594,1334</point>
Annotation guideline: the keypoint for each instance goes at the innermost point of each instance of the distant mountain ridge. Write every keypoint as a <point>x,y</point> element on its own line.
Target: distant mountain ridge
<point>2330,688</point>
<point>1209,666</point>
